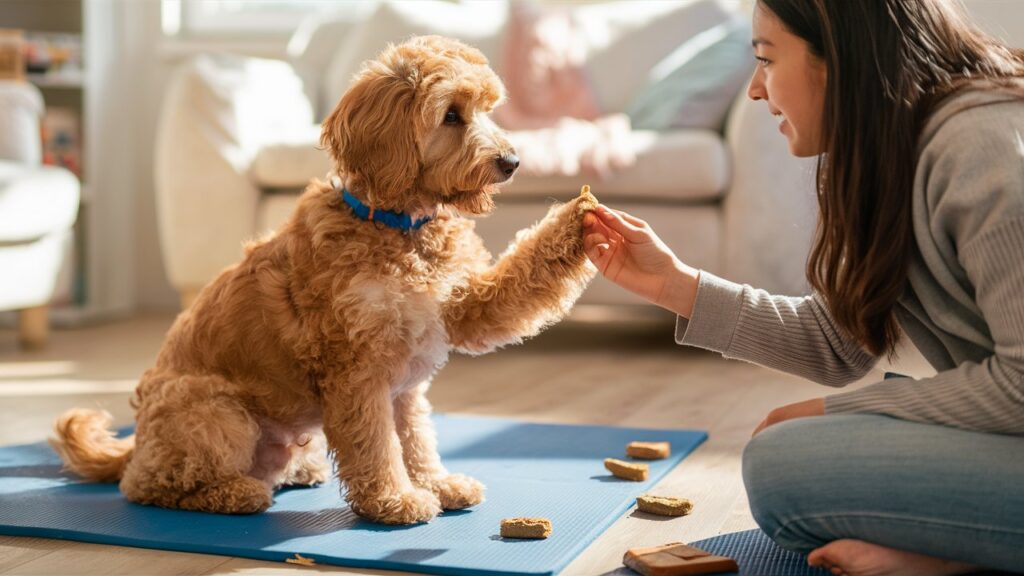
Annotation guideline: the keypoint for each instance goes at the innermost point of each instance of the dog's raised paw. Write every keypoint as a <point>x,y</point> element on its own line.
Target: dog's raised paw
<point>457,491</point>
<point>409,507</point>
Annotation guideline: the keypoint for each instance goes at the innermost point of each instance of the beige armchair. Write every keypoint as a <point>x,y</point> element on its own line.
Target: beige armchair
<point>38,207</point>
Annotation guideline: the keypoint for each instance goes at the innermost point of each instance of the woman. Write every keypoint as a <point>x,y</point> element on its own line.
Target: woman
<point>917,120</point>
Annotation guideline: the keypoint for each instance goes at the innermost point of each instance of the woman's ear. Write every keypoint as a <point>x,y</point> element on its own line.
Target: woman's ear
<point>371,134</point>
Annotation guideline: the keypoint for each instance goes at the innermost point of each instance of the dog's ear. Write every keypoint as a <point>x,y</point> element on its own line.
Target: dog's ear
<point>371,134</point>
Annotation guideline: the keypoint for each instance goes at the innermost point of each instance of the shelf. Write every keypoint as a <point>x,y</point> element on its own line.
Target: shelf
<point>98,274</point>
<point>64,80</point>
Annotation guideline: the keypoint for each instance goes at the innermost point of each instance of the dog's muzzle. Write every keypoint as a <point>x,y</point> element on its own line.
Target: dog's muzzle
<point>507,164</point>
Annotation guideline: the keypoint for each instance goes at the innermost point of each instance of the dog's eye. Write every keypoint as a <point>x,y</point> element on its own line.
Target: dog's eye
<point>452,117</point>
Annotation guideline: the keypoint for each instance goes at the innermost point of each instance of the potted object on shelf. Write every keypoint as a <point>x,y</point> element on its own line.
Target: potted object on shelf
<point>12,61</point>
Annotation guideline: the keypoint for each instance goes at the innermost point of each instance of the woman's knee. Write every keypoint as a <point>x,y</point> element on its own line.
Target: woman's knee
<point>761,459</point>
<point>779,475</point>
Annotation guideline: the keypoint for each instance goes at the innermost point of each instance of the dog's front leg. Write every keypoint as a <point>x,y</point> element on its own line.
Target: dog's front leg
<point>534,283</point>
<point>419,451</point>
<point>360,429</point>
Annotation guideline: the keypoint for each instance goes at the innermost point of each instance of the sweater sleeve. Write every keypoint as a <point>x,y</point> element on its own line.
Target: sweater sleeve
<point>791,334</point>
<point>975,197</point>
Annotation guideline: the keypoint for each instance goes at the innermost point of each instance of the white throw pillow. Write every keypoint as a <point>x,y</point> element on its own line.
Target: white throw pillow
<point>695,86</point>
<point>627,38</point>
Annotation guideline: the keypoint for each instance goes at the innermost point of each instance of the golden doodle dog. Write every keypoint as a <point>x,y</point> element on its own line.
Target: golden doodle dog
<point>325,337</point>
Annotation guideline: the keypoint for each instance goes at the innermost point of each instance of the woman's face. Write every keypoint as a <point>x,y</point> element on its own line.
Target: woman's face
<point>791,80</point>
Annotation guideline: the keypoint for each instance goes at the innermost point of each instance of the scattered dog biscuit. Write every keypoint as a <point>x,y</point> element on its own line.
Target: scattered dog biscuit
<point>649,450</point>
<point>301,560</point>
<point>664,505</point>
<point>525,527</point>
<point>676,559</point>
<point>626,470</point>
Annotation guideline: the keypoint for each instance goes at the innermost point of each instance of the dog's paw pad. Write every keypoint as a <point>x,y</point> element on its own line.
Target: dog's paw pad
<point>457,491</point>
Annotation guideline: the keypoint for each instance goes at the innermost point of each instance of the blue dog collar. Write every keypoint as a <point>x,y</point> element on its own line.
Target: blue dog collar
<point>397,220</point>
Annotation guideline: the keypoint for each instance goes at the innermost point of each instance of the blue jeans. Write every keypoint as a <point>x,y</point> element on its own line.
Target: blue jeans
<point>933,490</point>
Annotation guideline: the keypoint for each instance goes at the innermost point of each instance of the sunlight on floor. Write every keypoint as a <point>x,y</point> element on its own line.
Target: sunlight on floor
<point>10,370</point>
<point>28,388</point>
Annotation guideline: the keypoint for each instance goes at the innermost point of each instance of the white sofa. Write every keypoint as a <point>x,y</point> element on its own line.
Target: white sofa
<point>238,140</point>
<point>38,208</point>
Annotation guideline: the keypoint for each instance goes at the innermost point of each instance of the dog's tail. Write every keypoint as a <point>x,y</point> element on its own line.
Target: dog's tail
<point>88,446</point>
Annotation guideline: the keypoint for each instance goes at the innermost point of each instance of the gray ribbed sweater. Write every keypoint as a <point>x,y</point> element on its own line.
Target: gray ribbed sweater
<point>964,305</point>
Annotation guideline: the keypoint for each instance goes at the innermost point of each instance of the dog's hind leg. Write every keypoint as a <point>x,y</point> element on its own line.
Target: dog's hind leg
<point>419,452</point>
<point>238,495</point>
<point>194,448</point>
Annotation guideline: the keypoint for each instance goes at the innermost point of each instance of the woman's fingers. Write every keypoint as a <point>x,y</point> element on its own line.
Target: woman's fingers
<point>598,250</point>
<point>595,225</point>
<point>603,250</point>
<point>630,218</point>
<point>591,241</point>
<point>617,222</point>
<point>603,244</point>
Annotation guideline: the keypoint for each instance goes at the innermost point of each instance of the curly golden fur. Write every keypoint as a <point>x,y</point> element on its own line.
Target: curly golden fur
<point>325,337</point>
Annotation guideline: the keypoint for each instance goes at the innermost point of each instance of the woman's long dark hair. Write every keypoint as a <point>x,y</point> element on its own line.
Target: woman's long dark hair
<point>889,63</point>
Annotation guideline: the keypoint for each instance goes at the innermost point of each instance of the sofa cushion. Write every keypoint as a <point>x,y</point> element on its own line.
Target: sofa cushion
<point>680,166</point>
<point>683,166</point>
<point>274,210</point>
<point>35,201</point>
<point>292,163</point>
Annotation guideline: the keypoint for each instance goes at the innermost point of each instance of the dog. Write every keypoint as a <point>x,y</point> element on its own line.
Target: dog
<point>323,340</point>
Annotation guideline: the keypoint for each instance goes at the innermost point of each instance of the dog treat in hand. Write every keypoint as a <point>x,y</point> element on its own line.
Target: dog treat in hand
<point>525,528</point>
<point>649,450</point>
<point>626,470</point>
<point>676,559</point>
<point>586,200</point>
<point>664,505</point>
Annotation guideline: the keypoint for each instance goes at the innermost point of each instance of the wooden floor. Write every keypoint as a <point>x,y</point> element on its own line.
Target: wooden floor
<point>617,374</point>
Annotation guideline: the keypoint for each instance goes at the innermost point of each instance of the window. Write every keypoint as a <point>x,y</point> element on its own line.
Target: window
<point>247,17</point>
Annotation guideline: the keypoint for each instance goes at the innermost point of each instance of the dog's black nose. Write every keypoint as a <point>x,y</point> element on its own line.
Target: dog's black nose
<point>508,164</point>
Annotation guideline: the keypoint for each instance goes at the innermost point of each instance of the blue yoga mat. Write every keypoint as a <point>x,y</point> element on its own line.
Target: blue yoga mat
<point>757,555</point>
<point>554,471</point>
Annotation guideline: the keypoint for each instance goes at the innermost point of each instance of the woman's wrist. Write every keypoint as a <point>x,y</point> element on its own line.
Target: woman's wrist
<point>680,290</point>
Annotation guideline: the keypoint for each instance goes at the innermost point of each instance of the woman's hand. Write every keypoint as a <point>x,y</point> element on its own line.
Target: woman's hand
<point>628,252</point>
<point>814,407</point>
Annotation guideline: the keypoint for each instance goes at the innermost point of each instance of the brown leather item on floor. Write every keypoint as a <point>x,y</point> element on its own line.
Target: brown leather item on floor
<point>676,559</point>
